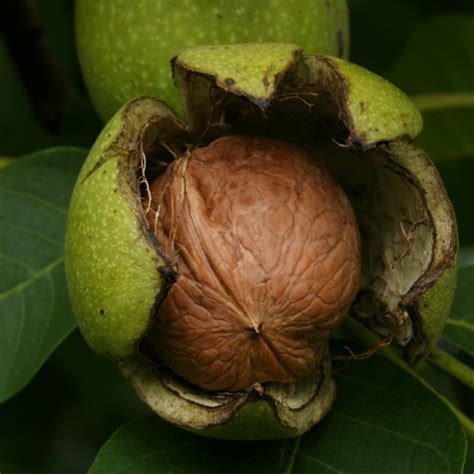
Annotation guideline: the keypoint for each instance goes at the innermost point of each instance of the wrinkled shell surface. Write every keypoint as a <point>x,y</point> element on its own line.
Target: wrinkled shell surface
<point>267,252</point>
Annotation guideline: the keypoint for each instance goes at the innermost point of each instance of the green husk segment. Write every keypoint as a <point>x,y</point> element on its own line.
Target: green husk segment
<point>250,70</point>
<point>410,241</point>
<point>433,310</point>
<point>111,264</point>
<point>275,414</point>
<point>372,109</point>
<point>256,420</point>
<point>413,273</point>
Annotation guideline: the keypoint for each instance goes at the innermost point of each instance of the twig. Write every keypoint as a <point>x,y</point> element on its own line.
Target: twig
<point>452,367</point>
<point>433,102</point>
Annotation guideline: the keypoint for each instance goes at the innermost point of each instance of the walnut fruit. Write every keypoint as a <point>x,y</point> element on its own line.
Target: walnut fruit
<point>124,47</point>
<point>213,258</point>
<point>267,251</point>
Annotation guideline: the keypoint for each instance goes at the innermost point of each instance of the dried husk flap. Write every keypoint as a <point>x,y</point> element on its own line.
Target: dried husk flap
<point>272,411</point>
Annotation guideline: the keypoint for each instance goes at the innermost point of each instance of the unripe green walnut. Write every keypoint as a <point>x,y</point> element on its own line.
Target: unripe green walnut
<point>267,252</point>
<point>159,214</point>
<point>125,46</point>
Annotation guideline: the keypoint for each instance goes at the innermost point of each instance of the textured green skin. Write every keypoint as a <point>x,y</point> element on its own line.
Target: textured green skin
<point>256,419</point>
<point>377,108</point>
<point>433,309</point>
<point>125,47</point>
<point>253,68</point>
<point>111,266</point>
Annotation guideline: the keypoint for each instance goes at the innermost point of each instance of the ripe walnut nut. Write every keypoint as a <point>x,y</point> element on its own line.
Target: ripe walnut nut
<point>267,251</point>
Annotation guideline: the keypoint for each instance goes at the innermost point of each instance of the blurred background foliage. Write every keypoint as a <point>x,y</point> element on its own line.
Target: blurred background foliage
<point>77,400</point>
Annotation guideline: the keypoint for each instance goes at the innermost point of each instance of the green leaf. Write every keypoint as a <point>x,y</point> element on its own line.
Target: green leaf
<point>439,59</point>
<point>460,326</point>
<point>62,417</point>
<point>34,309</point>
<point>384,420</point>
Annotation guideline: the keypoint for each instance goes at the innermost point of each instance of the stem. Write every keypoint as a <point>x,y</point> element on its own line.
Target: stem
<point>433,102</point>
<point>466,422</point>
<point>452,366</point>
<point>294,452</point>
<point>368,337</point>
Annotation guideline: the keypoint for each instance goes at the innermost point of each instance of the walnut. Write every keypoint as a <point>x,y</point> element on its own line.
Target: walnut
<point>267,252</point>
<point>264,244</point>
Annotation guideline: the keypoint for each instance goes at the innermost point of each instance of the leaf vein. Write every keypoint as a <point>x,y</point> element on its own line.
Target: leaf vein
<point>461,323</point>
<point>321,463</point>
<point>25,230</point>
<point>18,339</point>
<point>7,258</point>
<point>34,198</point>
<point>394,433</point>
<point>18,288</point>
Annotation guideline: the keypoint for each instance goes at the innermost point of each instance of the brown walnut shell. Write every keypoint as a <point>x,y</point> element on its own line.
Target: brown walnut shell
<point>267,252</point>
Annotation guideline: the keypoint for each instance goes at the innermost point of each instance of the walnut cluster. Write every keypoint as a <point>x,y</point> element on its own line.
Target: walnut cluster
<point>267,251</point>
